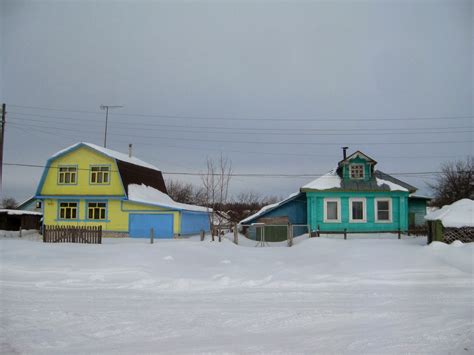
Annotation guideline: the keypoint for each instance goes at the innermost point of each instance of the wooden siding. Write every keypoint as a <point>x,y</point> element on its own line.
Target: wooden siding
<point>399,211</point>
<point>417,211</point>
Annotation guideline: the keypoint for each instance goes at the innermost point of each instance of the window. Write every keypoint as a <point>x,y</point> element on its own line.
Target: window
<point>357,210</point>
<point>67,175</point>
<point>96,210</point>
<point>100,174</point>
<point>357,171</point>
<point>332,208</point>
<point>68,210</point>
<point>383,210</point>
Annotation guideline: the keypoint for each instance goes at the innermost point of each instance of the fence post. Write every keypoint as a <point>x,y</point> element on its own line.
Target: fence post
<point>236,234</point>
<point>399,234</point>
<point>152,235</point>
<point>289,234</point>
<point>345,233</point>
<point>20,231</point>
<point>318,232</point>
<point>201,233</point>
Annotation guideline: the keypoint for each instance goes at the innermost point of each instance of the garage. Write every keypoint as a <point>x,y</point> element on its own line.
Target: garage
<point>194,222</point>
<point>141,224</point>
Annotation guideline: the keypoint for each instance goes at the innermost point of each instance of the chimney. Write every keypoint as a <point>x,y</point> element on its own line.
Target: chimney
<point>130,150</point>
<point>344,152</point>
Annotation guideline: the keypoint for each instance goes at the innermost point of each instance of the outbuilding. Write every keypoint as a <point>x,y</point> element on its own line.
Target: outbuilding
<point>452,222</point>
<point>14,220</point>
<point>276,217</point>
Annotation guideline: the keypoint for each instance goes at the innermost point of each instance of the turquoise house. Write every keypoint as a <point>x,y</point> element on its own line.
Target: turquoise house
<point>359,198</point>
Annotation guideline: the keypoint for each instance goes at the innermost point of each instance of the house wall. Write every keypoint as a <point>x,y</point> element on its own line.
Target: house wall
<point>399,211</point>
<point>117,218</point>
<point>194,222</point>
<point>417,208</point>
<point>83,158</point>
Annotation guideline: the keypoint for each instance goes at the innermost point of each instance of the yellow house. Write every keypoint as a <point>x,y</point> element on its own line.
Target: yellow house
<point>88,185</point>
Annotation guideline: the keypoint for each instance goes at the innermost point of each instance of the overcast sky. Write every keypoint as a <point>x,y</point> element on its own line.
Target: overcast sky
<point>285,83</point>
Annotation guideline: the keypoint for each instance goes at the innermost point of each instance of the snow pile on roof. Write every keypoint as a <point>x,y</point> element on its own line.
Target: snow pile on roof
<point>19,212</point>
<point>332,180</point>
<point>268,207</point>
<point>328,181</point>
<point>147,194</point>
<point>110,153</point>
<point>391,185</point>
<point>456,215</point>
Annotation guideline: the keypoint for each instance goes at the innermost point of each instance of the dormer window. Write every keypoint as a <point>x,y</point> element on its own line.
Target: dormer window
<point>357,171</point>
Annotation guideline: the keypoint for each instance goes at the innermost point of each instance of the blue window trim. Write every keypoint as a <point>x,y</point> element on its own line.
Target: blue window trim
<point>86,211</point>
<point>68,219</point>
<point>67,166</point>
<point>99,166</point>
<point>75,197</point>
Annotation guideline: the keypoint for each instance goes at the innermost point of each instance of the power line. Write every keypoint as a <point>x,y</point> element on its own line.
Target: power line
<point>267,142</point>
<point>56,109</point>
<point>322,132</point>
<point>291,119</point>
<point>265,129</point>
<point>252,153</point>
<point>419,173</point>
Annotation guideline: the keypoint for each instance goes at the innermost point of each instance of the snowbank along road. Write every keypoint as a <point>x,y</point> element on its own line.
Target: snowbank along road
<point>324,295</point>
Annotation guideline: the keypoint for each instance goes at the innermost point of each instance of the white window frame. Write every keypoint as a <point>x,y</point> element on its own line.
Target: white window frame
<point>364,209</point>
<point>339,212</point>
<point>363,171</point>
<point>376,210</point>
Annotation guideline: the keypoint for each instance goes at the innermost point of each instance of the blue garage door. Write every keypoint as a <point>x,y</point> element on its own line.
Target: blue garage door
<point>140,225</point>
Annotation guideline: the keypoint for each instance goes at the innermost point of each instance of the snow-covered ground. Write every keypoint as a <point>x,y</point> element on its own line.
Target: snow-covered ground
<point>323,295</point>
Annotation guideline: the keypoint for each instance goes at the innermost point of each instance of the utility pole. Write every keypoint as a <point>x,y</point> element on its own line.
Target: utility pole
<point>2,136</point>
<point>106,108</point>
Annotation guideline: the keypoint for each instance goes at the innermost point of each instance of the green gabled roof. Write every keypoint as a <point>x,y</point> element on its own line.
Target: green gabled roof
<point>358,152</point>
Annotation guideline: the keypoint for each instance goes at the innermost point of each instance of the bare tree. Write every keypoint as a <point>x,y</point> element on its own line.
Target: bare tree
<point>456,181</point>
<point>216,181</point>
<point>185,192</point>
<point>247,203</point>
<point>248,198</point>
<point>9,202</point>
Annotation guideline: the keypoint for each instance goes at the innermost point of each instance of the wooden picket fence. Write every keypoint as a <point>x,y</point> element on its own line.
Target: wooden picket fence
<point>71,234</point>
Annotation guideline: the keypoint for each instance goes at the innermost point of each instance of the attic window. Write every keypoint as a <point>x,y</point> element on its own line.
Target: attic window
<point>67,175</point>
<point>100,175</point>
<point>357,171</point>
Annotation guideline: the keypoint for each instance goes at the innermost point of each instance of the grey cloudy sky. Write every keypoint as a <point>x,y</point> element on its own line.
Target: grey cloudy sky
<point>287,83</point>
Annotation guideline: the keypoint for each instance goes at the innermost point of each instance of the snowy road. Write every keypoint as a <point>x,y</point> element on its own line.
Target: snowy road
<point>381,296</point>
